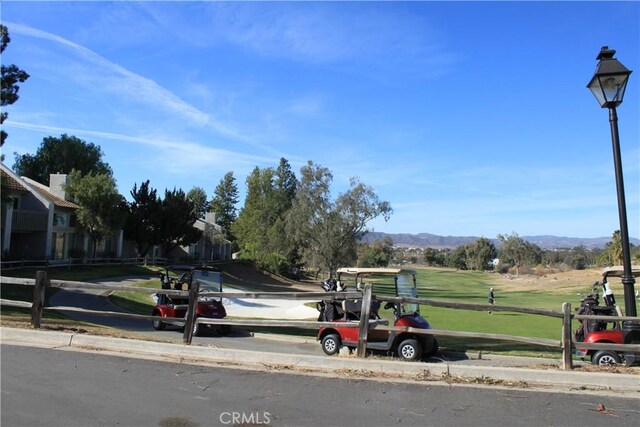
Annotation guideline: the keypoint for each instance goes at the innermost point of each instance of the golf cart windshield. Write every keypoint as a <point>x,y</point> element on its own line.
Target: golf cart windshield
<point>209,280</point>
<point>385,281</point>
<point>405,283</point>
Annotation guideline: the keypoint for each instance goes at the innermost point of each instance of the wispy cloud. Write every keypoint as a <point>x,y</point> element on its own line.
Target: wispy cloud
<point>193,154</point>
<point>326,33</point>
<point>317,33</point>
<point>131,85</point>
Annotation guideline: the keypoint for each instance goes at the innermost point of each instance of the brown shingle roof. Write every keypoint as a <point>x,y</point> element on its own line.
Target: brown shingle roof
<point>10,183</point>
<point>61,203</point>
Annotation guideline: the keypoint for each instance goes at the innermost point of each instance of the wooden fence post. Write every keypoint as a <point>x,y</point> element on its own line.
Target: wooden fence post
<point>365,312</point>
<point>567,349</point>
<point>194,288</point>
<point>38,298</point>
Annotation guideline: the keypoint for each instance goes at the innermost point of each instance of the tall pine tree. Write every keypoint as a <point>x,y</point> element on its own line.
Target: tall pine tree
<point>224,203</point>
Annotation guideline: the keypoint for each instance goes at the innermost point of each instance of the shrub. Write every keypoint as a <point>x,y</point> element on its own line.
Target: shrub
<point>77,253</point>
<point>275,263</point>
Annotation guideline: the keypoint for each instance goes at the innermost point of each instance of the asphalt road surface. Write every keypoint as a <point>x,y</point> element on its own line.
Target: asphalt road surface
<point>45,387</point>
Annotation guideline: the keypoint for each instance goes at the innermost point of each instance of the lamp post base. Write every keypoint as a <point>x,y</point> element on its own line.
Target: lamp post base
<point>631,335</point>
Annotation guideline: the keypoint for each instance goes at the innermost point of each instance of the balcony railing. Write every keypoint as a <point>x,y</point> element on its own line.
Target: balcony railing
<point>28,221</point>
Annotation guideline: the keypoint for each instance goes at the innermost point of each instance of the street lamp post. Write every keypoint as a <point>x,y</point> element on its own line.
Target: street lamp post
<point>608,85</point>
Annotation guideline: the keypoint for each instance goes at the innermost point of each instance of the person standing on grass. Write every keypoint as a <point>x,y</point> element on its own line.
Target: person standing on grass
<point>492,298</point>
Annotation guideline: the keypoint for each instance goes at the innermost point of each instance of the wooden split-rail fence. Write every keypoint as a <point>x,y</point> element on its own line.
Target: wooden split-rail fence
<point>566,343</point>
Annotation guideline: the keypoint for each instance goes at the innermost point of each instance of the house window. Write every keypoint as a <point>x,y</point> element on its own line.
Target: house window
<point>60,219</point>
<point>62,244</point>
<point>73,218</point>
<point>58,245</point>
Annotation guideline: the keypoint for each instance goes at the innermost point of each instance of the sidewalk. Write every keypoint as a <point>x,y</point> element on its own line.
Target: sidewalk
<point>552,378</point>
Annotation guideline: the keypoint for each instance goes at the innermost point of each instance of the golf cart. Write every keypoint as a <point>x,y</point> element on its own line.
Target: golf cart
<point>210,280</point>
<point>603,331</point>
<point>385,281</point>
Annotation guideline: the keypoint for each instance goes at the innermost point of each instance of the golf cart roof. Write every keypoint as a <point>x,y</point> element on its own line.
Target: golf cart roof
<point>371,271</point>
<point>618,271</point>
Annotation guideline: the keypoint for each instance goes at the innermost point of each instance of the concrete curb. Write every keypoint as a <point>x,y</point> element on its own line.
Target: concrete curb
<point>598,381</point>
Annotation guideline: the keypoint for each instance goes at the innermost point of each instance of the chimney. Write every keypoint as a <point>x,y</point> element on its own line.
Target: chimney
<point>210,217</point>
<point>57,181</point>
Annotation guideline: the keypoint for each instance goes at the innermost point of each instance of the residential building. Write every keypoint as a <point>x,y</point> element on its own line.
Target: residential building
<point>212,246</point>
<point>39,221</point>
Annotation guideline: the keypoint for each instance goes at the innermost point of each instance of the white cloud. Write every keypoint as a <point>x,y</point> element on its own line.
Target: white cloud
<point>196,156</point>
<point>104,74</point>
<point>318,33</point>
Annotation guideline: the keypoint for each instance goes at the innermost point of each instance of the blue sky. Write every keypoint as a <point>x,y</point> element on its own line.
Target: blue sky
<point>470,118</point>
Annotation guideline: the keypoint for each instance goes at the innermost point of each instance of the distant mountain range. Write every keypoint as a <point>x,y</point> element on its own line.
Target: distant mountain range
<point>426,240</point>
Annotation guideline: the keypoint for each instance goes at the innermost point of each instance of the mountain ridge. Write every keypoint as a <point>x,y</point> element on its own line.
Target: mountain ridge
<point>428,240</point>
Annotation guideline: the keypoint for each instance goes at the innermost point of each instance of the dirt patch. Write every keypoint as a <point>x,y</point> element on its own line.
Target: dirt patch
<point>554,283</point>
<point>617,369</point>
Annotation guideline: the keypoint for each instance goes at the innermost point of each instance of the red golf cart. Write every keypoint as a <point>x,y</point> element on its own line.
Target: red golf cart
<point>389,281</point>
<point>210,280</point>
<point>602,331</point>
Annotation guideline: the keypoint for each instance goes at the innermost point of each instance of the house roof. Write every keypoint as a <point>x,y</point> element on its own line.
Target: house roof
<point>203,225</point>
<point>57,201</point>
<point>11,183</point>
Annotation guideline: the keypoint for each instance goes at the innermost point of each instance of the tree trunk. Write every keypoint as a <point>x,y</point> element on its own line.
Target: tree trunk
<point>144,252</point>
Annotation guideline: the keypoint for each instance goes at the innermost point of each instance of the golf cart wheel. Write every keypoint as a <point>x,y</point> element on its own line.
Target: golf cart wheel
<point>197,328</point>
<point>410,349</point>
<point>605,358</point>
<point>158,324</point>
<point>331,344</point>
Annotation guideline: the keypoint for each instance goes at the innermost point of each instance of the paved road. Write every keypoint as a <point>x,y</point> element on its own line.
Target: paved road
<point>97,300</point>
<point>46,387</point>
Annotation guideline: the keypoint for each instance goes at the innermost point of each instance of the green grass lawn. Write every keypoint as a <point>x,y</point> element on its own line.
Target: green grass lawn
<point>136,302</point>
<point>473,287</point>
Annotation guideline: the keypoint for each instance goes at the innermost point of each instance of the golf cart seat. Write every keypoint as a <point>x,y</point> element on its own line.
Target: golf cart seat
<point>181,286</point>
<point>353,308</point>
